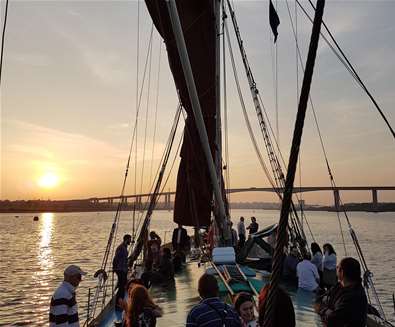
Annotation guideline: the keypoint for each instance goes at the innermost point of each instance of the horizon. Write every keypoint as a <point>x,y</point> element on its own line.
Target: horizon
<point>68,100</point>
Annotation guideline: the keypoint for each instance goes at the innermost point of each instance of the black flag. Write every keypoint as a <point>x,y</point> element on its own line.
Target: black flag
<point>274,20</point>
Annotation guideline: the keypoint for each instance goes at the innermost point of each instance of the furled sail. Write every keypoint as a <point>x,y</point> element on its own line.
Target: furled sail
<point>194,191</point>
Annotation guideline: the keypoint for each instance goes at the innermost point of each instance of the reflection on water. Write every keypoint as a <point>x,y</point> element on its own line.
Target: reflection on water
<point>35,254</point>
<point>44,251</point>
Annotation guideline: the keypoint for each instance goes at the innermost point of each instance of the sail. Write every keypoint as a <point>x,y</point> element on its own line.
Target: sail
<point>193,199</point>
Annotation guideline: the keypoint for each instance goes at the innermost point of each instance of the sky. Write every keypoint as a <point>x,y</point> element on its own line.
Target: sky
<point>69,85</point>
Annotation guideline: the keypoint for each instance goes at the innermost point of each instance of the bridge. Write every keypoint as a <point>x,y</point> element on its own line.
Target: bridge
<point>336,193</point>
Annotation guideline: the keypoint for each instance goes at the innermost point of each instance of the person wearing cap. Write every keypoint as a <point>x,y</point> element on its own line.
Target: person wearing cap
<point>63,311</point>
<point>120,267</point>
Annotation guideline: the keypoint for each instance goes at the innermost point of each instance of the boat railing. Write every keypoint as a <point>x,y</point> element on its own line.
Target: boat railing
<point>98,297</point>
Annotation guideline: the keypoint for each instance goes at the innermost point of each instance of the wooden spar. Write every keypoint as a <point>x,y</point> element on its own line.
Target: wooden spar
<point>197,112</point>
<point>282,236</point>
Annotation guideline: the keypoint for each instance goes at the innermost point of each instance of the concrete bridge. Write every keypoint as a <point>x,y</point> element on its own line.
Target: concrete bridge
<point>336,193</point>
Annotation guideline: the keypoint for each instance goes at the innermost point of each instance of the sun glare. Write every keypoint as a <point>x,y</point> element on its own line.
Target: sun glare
<point>48,180</point>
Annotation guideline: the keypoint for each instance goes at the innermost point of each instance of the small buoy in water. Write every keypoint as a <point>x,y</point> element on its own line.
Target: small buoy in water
<point>35,218</point>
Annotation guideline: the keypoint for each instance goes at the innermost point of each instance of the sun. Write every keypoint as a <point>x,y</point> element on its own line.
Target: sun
<point>48,180</point>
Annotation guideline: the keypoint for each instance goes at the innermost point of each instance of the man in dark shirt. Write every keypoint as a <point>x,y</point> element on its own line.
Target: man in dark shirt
<point>180,239</point>
<point>120,266</point>
<point>253,227</point>
<point>345,304</point>
<point>211,311</point>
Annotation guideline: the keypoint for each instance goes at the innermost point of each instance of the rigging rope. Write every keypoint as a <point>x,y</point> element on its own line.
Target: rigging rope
<point>354,238</point>
<point>281,240</point>
<point>3,38</point>
<point>156,110</point>
<point>274,162</point>
<point>351,69</point>
<point>146,113</point>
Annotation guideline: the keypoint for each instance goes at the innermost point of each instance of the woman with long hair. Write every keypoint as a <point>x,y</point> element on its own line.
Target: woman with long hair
<point>316,256</point>
<point>329,262</point>
<point>141,310</point>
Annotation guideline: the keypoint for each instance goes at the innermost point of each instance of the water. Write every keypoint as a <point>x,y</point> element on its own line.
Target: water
<point>34,254</point>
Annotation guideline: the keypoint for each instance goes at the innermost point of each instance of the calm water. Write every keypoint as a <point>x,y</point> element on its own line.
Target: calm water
<point>34,254</point>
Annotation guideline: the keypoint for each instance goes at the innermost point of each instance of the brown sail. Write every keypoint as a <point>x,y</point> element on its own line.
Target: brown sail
<point>194,191</point>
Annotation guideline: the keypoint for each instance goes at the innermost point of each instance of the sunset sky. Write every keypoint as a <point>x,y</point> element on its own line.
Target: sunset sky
<point>68,99</point>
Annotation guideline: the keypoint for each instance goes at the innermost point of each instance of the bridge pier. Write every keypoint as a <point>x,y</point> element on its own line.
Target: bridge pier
<point>374,199</point>
<point>167,201</point>
<point>138,202</point>
<point>336,196</point>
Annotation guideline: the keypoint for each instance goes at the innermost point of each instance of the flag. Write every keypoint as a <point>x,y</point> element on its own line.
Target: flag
<point>274,20</point>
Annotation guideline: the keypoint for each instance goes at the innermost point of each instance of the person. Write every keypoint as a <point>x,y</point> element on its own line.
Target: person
<point>241,231</point>
<point>120,267</point>
<point>211,311</point>
<point>329,260</point>
<point>284,313</point>
<point>180,239</point>
<point>308,277</point>
<point>63,310</point>
<point>253,227</point>
<point>234,236</point>
<point>153,251</point>
<point>244,306</point>
<point>345,304</point>
<point>317,256</point>
<point>141,310</point>
<point>289,265</point>
<point>163,273</point>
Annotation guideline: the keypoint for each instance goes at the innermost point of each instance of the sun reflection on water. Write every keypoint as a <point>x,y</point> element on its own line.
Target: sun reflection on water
<point>45,251</point>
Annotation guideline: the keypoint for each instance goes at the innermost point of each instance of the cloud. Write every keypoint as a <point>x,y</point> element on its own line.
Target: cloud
<point>47,143</point>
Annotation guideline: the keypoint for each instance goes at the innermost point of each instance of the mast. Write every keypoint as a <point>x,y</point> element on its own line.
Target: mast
<point>194,98</point>
<point>281,239</point>
<point>218,135</point>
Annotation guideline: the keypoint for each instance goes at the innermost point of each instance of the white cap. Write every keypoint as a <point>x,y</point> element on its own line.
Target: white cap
<point>73,270</point>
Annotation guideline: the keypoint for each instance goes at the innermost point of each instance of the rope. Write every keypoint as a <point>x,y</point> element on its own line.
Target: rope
<point>281,240</point>
<point>351,69</point>
<point>333,184</point>
<point>156,110</point>
<point>137,90</point>
<point>146,112</point>
<point>274,162</point>
<point>3,37</point>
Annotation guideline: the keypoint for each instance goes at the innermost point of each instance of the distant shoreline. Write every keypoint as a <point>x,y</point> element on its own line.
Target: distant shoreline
<point>36,206</point>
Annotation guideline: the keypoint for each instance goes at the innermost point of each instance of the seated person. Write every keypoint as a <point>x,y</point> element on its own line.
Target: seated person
<point>307,272</point>
<point>345,304</point>
<point>289,265</point>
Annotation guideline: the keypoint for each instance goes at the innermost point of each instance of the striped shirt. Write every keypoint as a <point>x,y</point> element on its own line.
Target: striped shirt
<point>64,311</point>
<point>212,312</point>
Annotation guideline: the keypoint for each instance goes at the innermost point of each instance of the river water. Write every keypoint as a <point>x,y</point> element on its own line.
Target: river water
<point>34,254</point>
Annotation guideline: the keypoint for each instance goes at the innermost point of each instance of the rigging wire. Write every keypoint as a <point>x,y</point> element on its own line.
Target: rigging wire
<point>3,38</point>
<point>317,125</point>
<point>274,162</point>
<point>350,68</point>
<point>137,90</point>
<point>367,274</point>
<point>245,114</point>
<point>146,114</point>
<point>156,110</point>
